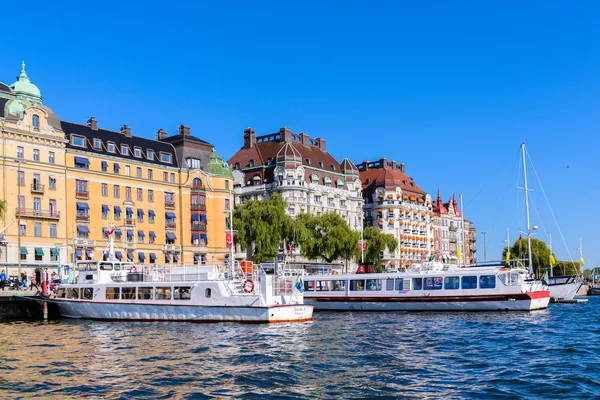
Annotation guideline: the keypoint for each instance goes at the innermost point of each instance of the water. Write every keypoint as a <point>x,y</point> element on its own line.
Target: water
<point>552,353</point>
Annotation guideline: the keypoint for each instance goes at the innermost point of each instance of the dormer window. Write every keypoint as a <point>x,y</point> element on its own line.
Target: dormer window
<point>251,163</point>
<point>321,164</point>
<point>308,161</point>
<point>193,163</point>
<point>124,150</point>
<point>165,157</point>
<point>111,147</point>
<point>35,121</point>
<point>237,166</point>
<point>137,152</point>
<point>97,144</point>
<point>150,154</point>
<point>332,167</point>
<point>78,141</point>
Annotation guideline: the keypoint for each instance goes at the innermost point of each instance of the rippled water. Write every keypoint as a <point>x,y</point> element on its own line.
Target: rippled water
<point>545,354</point>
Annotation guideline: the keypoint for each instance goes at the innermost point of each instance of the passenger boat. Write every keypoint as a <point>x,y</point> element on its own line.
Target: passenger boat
<point>115,290</point>
<point>564,287</point>
<point>429,286</point>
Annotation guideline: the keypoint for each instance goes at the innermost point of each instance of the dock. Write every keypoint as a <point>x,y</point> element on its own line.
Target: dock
<point>569,301</point>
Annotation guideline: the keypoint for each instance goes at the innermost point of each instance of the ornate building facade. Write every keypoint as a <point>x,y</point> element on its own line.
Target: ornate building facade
<point>65,184</point>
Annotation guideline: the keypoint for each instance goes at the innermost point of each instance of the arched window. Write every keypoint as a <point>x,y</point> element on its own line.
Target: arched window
<point>35,121</point>
<point>197,183</point>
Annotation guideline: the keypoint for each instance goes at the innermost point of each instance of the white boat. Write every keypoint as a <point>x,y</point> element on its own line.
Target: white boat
<point>564,287</point>
<point>114,290</point>
<point>430,286</point>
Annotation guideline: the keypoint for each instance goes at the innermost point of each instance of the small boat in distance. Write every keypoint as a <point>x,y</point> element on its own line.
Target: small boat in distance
<point>430,286</point>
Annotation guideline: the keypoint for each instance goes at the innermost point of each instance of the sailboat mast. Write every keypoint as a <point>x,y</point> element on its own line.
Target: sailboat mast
<point>462,232</point>
<point>527,207</point>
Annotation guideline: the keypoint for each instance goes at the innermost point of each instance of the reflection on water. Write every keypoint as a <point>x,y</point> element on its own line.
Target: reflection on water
<point>339,355</point>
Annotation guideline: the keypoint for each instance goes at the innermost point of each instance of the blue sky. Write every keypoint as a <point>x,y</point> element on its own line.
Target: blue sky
<point>450,89</point>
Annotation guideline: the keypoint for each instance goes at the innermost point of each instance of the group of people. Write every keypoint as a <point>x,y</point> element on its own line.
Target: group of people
<point>23,283</point>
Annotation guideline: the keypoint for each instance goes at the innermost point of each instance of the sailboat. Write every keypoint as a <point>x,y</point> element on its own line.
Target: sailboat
<point>561,287</point>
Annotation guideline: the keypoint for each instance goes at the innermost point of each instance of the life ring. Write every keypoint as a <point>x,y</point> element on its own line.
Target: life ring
<point>505,269</point>
<point>133,269</point>
<point>248,286</point>
<point>146,270</point>
<point>334,272</point>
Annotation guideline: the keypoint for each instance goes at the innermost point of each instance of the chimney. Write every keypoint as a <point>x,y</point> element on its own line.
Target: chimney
<point>322,144</point>
<point>161,134</point>
<point>184,130</point>
<point>382,162</point>
<point>305,138</point>
<point>402,167</point>
<point>364,165</point>
<point>92,123</point>
<point>126,130</point>
<point>249,138</point>
<point>393,164</point>
<point>285,134</point>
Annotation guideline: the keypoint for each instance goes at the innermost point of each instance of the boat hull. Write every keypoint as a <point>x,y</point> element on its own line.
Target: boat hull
<point>564,290</point>
<point>113,311</point>
<point>516,302</point>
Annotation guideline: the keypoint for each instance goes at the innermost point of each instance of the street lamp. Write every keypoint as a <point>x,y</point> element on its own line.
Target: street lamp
<point>19,162</point>
<point>484,247</point>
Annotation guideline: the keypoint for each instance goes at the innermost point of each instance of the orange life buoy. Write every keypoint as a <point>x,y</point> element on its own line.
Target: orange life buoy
<point>248,286</point>
<point>133,269</point>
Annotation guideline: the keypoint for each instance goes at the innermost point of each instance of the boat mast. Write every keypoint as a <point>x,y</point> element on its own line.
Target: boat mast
<point>527,207</point>
<point>462,232</point>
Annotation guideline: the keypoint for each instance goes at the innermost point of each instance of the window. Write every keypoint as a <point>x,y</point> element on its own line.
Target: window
<point>207,293</point>
<point>138,172</point>
<point>124,150</point>
<point>52,205</point>
<point>251,163</point>
<point>111,147</point>
<point>487,282</point>
<point>417,283</point>
<point>81,163</point>
<point>117,216</point>
<point>112,293</point>
<point>36,155</point>
<point>116,168</point>
<point>151,218</point>
<point>104,166</point>
<point>193,163</point>
<point>150,174</point>
<point>78,141</point>
<point>37,204</point>
<point>226,185</point>
<point>151,196</point>
<point>357,284</point>
<point>81,186</point>
<point>105,189</point>
<point>451,282</point>
<point>163,293</point>
<point>374,284</point>
<point>165,157</point>
<point>23,230</point>
<point>342,203</point>
<point>145,293</point>
<point>433,283</point>
<point>35,121</point>
<point>140,238</point>
<point>151,239</point>
<point>127,170</point>
<point>137,152</point>
<point>469,282</point>
<point>227,204</point>
<point>140,195</point>
<point>21,178</point>
<point>37,229</point>
<point>97,144</point>
<point>150,154</point>
<point>20,152</point>
<point>172,177</point>
<point>51,157</point>
<point>166,176</point>
<point>128,192</point>
<point>116,191</point>
<point>317,199</point>
<point>182,293</point>
<point>53,232</point>
<point>104,212</point>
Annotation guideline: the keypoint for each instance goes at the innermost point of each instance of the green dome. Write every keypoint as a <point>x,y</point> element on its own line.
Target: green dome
<point>15,107</point>
<point>217,167</point>
<point>24,88</point>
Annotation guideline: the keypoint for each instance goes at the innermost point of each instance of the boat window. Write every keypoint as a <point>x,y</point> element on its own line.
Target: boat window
<point>389,284</point>
<point>182,293</point>
<point>207,293</point>
<point>128,293</point>
<point>487,281</point>
<point>399,285</point>
<point>88,293</point>
<point>338,286</point>
<point>106,266</point>
<point>451,282</point>
<point>61,293</point>
<point>316,286</point>
<point>117,266</point>
<point>73,293</point>
<point>112,293</point>
<point>469,282</point>
<point>163,293</point>
<point>374,284</point>
<point>417,283</point>
<point>145,293</point>
<point>433,283</point>
<point>357,284</point>
<point>516,279</point>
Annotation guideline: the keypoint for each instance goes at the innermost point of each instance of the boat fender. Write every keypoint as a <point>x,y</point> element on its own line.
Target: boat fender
<point>248,286</point>
<point>133,269</point>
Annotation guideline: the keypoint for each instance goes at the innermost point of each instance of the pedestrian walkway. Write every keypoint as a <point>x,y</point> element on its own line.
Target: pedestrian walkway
<point>18,293</point>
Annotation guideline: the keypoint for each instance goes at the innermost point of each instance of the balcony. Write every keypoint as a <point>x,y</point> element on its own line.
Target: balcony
<point>198,227</point>
<point>82,194</point>
<point>129,221</point>
<point>34,213</point>
<point>170,225</point>
<point>197,188</point>
<point>198,207</point>
<point>169,204</point>
<point>171,248</point>
<point>85,243</point>
<point>130,245</point>
<point>37,188</point>
<point>82,218</point>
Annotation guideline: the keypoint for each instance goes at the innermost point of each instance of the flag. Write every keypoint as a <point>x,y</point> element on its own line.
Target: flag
<point>552,260</point>
<point>299,284</point>
<point>581,261</point>
<point>291,248</point>
<point>432,256</point>
<point>110,232</point>
<point>507,258</point>
<point>458,253</point>
<point>520,237</point>
<point>545,278</point>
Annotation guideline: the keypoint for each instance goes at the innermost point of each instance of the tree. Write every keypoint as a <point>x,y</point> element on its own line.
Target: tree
<point>376,243</point>
<point>566,268</point>
<point>262,226</point>
<point>540,254</point>
<point>3,206</point>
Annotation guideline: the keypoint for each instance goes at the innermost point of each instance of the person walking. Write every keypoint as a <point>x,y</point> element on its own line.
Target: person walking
<point>32,282</point>
<point>2,280</point>
<point>24,281</point>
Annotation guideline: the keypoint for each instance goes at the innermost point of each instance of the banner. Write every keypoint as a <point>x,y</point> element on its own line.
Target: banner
<point>362,245</point>
<point>229,238</point>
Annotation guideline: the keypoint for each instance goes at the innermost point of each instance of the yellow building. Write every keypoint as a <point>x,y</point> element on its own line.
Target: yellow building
<point>166,199</point>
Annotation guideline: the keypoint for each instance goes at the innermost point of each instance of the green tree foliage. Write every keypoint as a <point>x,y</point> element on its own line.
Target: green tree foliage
<point>262,226</point>
<point>3,206</point>
<point>376,243</point>
<point>566,268</point>
<point>540,254</point>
